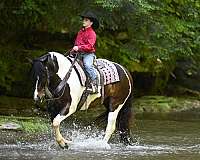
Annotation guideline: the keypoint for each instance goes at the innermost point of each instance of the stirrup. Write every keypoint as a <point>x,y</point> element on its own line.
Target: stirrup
<point>92,89</point>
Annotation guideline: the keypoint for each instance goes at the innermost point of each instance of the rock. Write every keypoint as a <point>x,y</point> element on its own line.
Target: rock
<point>10,126</point>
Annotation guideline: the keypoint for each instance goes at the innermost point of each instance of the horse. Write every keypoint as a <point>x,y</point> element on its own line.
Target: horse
<point>56,80</point>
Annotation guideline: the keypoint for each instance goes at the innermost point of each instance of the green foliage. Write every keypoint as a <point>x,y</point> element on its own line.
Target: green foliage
<point>35,126</point>
<point>143,35</point>
<point>15,70</point>
<point>109,4</point>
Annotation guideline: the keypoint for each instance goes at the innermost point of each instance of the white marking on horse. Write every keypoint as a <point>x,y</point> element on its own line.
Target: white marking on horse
<point>89,100</point>
<point>76,90</point>
<point>35,95</point>
<point>112,116</point>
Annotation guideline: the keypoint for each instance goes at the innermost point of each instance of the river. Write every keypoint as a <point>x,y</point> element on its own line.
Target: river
<point>154,140</point>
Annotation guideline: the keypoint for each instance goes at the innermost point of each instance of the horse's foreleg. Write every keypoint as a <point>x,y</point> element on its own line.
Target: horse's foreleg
<point>56,125</point>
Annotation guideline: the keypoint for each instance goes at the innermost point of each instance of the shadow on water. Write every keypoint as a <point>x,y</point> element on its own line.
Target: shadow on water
<point>154,140</point>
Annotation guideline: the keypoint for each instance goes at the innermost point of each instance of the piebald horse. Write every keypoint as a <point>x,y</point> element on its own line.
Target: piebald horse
<point>63,95</point>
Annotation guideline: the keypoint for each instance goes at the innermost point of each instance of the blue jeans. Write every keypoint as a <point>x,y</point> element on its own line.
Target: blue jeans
<point>88,60</point>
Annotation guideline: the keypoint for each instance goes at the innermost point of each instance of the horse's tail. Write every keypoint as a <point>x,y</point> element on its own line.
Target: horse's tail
<point>125,118</point>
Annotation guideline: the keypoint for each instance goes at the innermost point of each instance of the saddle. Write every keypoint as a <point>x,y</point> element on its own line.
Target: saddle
<point>107,74</point>
<point>106,69</point>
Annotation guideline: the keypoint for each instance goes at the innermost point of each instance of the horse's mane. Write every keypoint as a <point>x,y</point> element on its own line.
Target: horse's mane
<point>37,69</point>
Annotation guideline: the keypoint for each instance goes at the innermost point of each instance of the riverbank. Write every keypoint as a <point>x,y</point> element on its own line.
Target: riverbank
<point>143,107</point>
<point>14,106</point>
<point>14,130</point>
<point>164,108</point>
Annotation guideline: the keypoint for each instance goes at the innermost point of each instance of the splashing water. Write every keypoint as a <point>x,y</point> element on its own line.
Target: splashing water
<point>152,143</point>
<point>87,138</point>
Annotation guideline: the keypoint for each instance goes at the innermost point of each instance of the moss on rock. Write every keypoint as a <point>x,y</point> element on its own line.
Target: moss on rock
<point>163,104</point>
<point>28,124</point>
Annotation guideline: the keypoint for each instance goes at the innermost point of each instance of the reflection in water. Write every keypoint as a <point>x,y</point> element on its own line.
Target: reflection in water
<point>154,140</point>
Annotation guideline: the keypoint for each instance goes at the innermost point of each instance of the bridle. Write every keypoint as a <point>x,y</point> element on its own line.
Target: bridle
<point>61,85</point>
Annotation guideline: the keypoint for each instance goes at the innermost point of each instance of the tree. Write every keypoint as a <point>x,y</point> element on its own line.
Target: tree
<point>143,35</point>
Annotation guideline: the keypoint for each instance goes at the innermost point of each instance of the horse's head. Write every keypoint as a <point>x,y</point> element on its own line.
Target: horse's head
<point>43,68</point>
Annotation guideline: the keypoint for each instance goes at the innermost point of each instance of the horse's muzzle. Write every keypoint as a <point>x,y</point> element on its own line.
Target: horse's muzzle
<point>39,99</point>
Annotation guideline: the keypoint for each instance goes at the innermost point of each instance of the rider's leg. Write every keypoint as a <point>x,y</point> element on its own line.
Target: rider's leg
<point>88,60</point>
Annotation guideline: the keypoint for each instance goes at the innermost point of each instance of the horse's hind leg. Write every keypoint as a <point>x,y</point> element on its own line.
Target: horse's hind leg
<point>111,125</point>
<point>122,115</point>
<point>123,123</point>
<point>112,117</point>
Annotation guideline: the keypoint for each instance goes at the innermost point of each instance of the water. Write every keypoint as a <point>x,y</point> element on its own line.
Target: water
<point>154,139</point>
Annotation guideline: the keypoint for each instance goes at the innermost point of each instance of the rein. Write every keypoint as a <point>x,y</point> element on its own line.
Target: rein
<point>62,84</point>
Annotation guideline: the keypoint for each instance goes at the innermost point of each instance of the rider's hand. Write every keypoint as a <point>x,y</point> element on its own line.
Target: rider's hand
<point>75,48</point>
<point>72,53</point>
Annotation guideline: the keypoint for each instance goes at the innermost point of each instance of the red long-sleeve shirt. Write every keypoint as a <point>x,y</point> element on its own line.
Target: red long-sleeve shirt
<point>85,40</point>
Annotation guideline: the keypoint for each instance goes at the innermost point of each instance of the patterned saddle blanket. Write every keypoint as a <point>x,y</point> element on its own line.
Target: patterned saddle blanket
<point>107,69</point>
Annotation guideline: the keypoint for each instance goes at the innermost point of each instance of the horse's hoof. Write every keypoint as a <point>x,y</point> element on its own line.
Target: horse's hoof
<point>68,141</point>
<point>63,146</point>
<point>128,142</point>
<point>64,143</point>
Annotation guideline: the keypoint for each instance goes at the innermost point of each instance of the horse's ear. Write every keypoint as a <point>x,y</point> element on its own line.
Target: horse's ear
<point>55,64</point>
<point>29,60</point>
<point>55,61</point>
<point>49,59</point>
